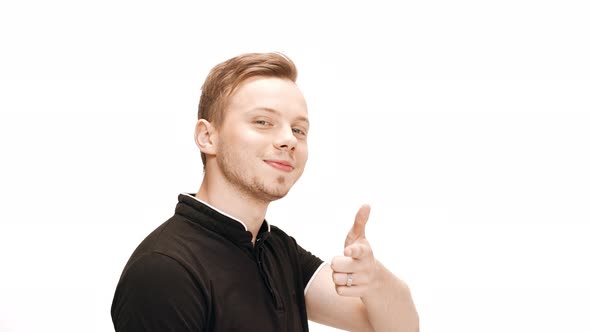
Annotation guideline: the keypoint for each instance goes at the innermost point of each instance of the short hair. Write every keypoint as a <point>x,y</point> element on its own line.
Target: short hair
<point>225,78</point>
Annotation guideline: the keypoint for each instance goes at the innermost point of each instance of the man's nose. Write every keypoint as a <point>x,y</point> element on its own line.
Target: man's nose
<point>285,138</point>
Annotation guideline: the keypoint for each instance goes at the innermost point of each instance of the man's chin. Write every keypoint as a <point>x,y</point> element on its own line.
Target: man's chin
<point>274,196</point>
<point>274,191</point>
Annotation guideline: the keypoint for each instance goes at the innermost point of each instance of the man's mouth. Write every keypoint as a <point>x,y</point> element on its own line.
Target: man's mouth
<point>281,165</point>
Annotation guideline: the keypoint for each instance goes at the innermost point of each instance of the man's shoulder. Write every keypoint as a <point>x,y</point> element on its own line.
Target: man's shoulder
<point>159,238</point>
<point>152,263</point>
<point>276,230</point>
<point>174,239</point>
<point>282,238</point>
<point>278,234</point>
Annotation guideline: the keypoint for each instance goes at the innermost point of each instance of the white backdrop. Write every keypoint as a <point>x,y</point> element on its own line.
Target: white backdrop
<point>464,124</point>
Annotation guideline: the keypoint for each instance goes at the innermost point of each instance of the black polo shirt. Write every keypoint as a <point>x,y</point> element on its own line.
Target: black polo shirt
<point>199,271</point>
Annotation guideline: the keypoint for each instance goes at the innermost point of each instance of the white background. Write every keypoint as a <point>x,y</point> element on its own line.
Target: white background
<point>465,124</point>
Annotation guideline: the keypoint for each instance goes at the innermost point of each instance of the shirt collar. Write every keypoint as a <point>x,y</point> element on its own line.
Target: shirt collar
<point>216,220</point>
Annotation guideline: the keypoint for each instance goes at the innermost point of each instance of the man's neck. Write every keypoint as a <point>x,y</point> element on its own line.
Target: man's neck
<point>233,203</point>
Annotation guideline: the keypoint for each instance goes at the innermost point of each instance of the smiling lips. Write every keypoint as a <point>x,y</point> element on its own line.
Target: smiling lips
<point>281,165</point>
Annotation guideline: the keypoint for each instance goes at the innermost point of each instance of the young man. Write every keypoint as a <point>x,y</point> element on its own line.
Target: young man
<point>216,264</point>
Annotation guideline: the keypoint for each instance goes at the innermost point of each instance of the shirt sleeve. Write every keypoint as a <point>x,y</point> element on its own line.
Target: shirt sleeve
<point>309,264</point>
<point>156,293</point>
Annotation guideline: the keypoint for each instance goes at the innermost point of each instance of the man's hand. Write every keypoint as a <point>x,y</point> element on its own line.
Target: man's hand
<point>375,300</point>
<point>358,262</point>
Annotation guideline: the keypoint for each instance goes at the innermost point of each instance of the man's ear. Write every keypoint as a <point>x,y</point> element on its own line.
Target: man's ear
<point>205,137</point>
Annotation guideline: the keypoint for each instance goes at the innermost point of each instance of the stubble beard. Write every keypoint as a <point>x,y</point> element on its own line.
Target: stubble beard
<point>237,175</point>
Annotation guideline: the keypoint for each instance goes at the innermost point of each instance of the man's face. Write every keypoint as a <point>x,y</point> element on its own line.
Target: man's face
<point>262,141</point>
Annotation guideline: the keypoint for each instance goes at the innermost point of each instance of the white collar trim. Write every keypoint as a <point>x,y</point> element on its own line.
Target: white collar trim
<point>225,214</point>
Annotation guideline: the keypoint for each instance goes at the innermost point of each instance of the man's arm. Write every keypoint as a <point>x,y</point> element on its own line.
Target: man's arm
<point>376,301</point>
<point>157,294</point>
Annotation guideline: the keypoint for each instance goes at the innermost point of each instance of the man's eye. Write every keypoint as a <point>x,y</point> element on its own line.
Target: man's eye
<point>299,131</point>
<point>262,122</point>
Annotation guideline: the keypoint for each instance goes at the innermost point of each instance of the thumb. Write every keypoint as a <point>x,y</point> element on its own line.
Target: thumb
<point>358,228</point>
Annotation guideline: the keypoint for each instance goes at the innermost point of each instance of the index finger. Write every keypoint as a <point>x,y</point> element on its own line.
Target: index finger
<point>356,250</point>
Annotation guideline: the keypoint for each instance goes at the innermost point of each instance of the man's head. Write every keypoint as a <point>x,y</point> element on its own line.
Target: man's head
<point>225,77</point>
<point>253,125</point>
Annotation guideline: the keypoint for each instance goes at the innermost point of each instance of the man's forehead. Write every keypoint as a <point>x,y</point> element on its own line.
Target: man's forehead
<point>271,94</point>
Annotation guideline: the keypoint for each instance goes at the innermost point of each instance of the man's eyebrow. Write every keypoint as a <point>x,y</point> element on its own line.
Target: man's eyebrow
<point>273,111</point>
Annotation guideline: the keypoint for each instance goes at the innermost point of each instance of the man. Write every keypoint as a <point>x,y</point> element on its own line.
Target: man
<point>216,264</point>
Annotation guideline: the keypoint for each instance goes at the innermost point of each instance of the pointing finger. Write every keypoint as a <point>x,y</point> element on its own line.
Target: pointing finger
<point>356,250</point>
